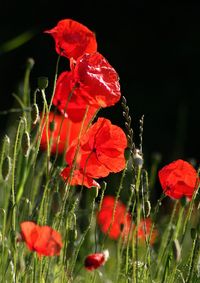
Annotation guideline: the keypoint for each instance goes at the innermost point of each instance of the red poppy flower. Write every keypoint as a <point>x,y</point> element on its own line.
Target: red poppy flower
<point>94,261</point>
<point>68,102</point>
<point>97,80</point>
<point>78,178</point>
<point>73,39</point>
<point>63,132</point>
<point>144,231</point>
<point>178,179</point>
<point>121,224</point>
<point>41,239</point>
<point>101,151</point>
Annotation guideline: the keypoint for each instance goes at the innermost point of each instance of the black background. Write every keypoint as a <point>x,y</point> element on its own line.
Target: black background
<point>155,48</point>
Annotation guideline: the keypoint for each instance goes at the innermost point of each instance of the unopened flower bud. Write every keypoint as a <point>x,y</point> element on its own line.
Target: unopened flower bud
<point>6,168</point>
<point>25,143</point>
<point>138,160</point>
<point>176,250</point>
<point>35,114</point>
<point>30,63</point>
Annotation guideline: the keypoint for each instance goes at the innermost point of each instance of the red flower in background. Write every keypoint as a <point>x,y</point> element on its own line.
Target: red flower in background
<point>41,239</point>
<point>94,261</point>
<point>73,39</point>
<point>121,224</point>
<point>144,231</point>
<point>101,151</point>
<point>64,132</point>
<point>66,100</point>
<point>178,179</point>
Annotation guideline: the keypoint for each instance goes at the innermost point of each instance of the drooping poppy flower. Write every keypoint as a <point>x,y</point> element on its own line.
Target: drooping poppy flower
<point>70,104</point>
<point>61,131</point>
<point>78,178</point>
<point>97,80</point>
<point>178,179</point>
<point>42,239</point>
<point>73,39</point>
<point>144,231</point>
<point>118,226</point>
<point>94,261</point>
<point>101,151</point>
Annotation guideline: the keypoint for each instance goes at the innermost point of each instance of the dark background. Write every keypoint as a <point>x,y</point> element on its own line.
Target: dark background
<point>155,48</point>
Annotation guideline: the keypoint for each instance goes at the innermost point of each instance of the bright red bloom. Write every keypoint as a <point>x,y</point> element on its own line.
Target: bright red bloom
<point>101,151</point>
<point>41,239</point>
<point>63,132</point>
<point>92,81</point>
<point>178,179</point>
<point>78,178</point>
<point>94,261</point>
<point>68,102</point>
<point>121,224</point>
<point>97,80</point>
<point>73,39</point>
<point>144,231</point>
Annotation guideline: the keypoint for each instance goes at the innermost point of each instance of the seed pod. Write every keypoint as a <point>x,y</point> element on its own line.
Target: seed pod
<point>42,82</point>
<point>25,143</point>
<point>6,168</point>
<point>35,114</point>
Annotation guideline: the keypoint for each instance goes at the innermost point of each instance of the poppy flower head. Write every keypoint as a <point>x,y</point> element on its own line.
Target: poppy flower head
<point>97,79</point>
<point>120,224</point>
<point>73,39</point>
<point>42,239</point>
<point>178,179</point>
<point>77,177</point>
<point>67,102</point>
<point>101,150</point>
<point>94,261</point>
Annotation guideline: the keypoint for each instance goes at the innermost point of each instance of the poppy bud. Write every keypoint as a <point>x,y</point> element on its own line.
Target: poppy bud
<point>138,160</point>
<point>94,261</point>
<point>25,143</point>
<point>30,63</point>
<point>6,141</point>
<point>42,82</point>
<point>176,250</point>
<point>147,207</point>
<point>6,168</point>
<point>35,114</point>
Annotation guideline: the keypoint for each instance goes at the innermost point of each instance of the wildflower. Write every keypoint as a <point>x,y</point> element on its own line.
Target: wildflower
<point>41,239</point>
<point>78,178</point>
<point>61,132</point>
<point>101,151</point>
<point>97,79</point>
<point>146,231</point>
<point>73,39</point>
<point>115,223</point>
<point>68,103</point>
<point>178,179</point>
<point>94,261</point>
